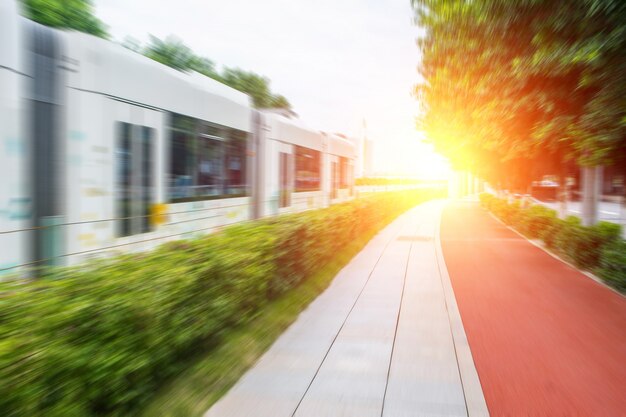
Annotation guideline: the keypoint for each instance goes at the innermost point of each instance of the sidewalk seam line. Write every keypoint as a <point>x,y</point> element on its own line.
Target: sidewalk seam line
<point>344,322</point>
<point>395,334</point>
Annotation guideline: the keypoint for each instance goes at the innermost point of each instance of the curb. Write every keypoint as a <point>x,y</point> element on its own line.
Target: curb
<point>472,389</point>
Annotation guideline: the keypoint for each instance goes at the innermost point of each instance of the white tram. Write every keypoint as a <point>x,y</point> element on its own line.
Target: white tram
<point>105,151</point>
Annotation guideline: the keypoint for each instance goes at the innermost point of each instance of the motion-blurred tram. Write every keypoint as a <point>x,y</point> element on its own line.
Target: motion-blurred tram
<point>105,151</point>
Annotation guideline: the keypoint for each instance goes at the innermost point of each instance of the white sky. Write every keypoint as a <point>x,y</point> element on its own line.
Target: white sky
<point>337,61</point>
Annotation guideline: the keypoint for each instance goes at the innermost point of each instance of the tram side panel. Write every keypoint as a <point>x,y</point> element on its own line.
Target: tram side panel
<point>292,166</point>
<point>15,199</point>
<point>340,169</point>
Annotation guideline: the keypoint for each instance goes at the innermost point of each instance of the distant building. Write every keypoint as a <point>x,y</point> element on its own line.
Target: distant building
<point>364,162</point>
<point>358,160</point>
<point>368,158</point>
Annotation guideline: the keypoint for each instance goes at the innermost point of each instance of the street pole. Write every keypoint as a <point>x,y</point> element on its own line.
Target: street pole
<point>589,196</point>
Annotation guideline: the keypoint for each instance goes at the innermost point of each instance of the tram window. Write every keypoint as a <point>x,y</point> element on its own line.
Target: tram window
<point>183,123</point>
<point>147,180</point>
<point>123,165</point>
<point>235,163</point>
<point>307,169</point>
<point>182,157</point>
<point>209,168</point>
<point>207,160</point>
<point>134,178</point>
<point>343,172</point>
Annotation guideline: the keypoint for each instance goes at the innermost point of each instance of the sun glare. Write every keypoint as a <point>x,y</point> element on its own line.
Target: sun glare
<point>410,157</point>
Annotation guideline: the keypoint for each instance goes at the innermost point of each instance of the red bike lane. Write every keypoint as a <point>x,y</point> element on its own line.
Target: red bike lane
<point>546,339</point>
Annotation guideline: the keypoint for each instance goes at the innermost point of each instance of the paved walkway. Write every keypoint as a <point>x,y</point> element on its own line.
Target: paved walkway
<point>546,339</point>
<point>385,339</point>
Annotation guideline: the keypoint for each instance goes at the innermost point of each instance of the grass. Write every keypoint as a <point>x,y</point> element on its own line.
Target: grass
<point>212,374</point>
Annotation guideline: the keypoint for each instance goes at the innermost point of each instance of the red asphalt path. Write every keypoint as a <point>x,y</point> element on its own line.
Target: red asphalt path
<point>546,339</point>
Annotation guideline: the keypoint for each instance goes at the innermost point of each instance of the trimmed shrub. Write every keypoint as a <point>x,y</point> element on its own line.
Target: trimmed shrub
<point>613,264</point>
<point>535,219</point>
<point>508,213</point>
<point>607,232</point>
<point>98,340</point>
<point>485,199</point>
<point>569,236</point>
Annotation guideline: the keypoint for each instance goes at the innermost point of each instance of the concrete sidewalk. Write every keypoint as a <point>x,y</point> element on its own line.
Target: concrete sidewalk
<point>385,339</point>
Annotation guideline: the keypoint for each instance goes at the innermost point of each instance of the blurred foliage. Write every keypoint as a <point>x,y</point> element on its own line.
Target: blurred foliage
<point>101,339</point>
<point>212,373</point>
<point>595,248</point>
<point>78,15</point>
<point>613,264</point>
<point>174,53</point>
<point>516,89</point>
<point>257,86</point>
<point>66,14</point>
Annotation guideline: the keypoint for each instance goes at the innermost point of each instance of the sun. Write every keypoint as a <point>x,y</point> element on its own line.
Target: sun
<point>410,156</point>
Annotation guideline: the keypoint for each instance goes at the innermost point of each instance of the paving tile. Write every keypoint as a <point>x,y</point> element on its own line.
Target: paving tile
<point>378,340</point>
<point>424,377</point>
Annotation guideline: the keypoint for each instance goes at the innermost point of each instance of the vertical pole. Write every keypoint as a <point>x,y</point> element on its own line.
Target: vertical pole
<point>589,197</point>
<point>599,185</point>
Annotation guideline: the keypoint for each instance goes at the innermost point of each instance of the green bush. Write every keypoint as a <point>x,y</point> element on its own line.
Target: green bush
<point>535,219</point>
<point>485,199</point>
<point>550,233</point>
<point>613,264</point>
<point>100,339</point>
<point>591,242</point>
<point>498,207</point>
<point>508,213</point>
<point>607,232</point>
<point>569,236</point>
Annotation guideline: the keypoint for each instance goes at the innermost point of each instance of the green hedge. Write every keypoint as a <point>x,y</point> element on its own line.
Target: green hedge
<point>101,339</point>
<point>599,248</point>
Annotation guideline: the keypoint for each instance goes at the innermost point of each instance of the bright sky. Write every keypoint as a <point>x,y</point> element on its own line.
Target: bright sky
<point>337,61</point>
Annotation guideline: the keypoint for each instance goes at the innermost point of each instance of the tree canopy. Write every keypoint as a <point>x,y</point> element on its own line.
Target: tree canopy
<point>257,86</point>
<point>174,53</point>
<point>517,88</point>
<point>171,51</point>
<point>69,14</point>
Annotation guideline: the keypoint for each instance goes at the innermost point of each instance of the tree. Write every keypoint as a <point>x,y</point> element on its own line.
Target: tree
<point>174,53</point>
<point>280,102</point>
<point>513,84</point>
<point>257,86</point>
<point>78,15</point>
<point>66,14</point>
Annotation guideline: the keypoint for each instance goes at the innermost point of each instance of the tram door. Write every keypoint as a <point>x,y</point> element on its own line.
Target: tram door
<point>134,154</point>
<point>284,189</point>
<point>135,137</point>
